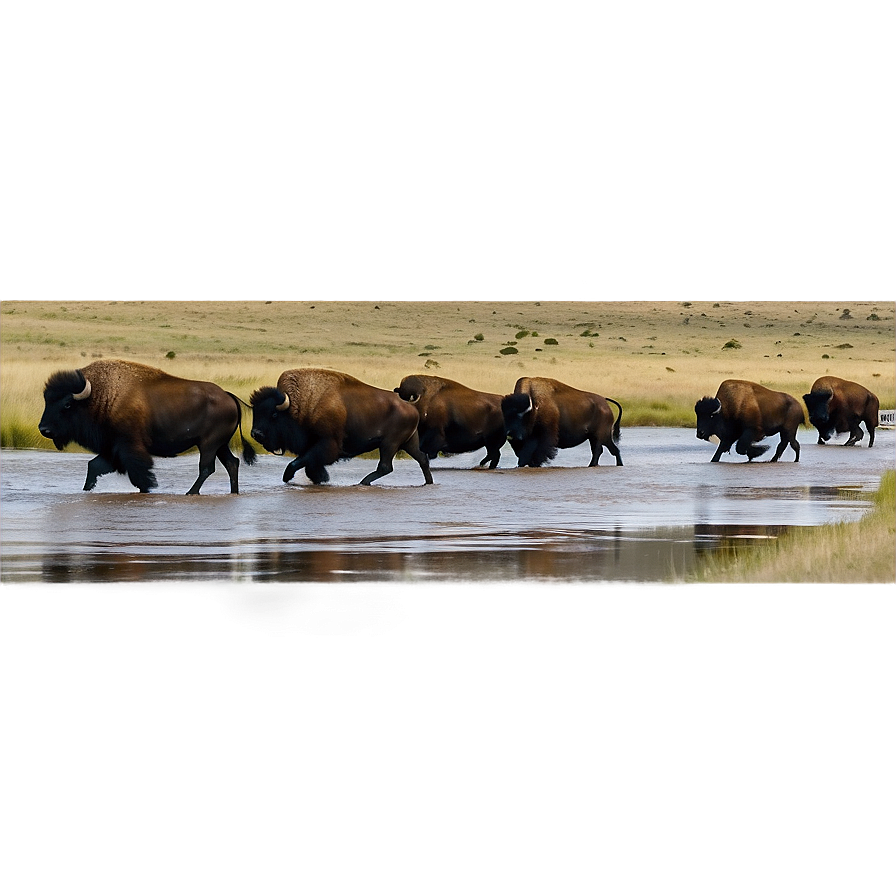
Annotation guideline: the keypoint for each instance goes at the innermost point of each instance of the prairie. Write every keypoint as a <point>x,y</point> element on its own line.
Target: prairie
<point>656,358</point>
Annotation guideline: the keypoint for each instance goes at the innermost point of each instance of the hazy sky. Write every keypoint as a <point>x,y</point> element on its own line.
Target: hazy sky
<point>467,150</point>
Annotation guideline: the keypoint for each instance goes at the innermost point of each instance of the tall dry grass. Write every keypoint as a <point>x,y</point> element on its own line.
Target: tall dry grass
<point>656,358</point>
<point>862,551</point>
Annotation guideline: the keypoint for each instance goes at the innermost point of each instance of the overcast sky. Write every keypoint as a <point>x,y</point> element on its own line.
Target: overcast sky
<point>691,150</point>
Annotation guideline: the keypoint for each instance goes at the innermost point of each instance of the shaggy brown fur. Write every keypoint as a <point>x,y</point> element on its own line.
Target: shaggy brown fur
<point>331,415</point>
<point>543,415</point>
<point>454,418</point>
<point>837,405</point>
<point>744,413</point>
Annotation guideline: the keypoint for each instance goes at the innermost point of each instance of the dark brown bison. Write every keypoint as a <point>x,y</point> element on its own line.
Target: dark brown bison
<point>322,416</point>
<point>837,405</point>
<point>542,415</point>
<point>743,413</point>
<point>454,418</point>
<point>129,413</point>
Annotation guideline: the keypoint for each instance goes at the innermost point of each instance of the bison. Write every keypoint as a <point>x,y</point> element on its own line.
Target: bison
<point>837,405</point>
<point>454,418</point>
<point>743,413</point>
<point>129,413</point>
<point>543,415</point>
<point>322,416</point>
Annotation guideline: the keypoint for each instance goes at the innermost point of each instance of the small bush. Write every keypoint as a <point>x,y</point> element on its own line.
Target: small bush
<point>510,350</point>
<point>844,345</point>
<point>732,343</point>
<point>522,334</point>
<point>551,341</point>
<point>479,337</point>
<point>171,355</point>
<point>826,357</point>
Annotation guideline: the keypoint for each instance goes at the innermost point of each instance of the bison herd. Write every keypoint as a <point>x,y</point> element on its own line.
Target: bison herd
<point>128,413</point>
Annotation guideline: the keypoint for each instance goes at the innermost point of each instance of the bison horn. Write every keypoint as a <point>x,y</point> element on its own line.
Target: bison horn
<point>530,406</point>
<point>719,408</point>
<point>84,393</point>
<point>285,405</point>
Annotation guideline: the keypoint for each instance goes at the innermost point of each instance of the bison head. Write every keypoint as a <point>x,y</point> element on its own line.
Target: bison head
<point>65,394</point>
<point>272,424</point>
<point>518,417</point>
<point>709,418</point>
<point>411,389</point>
<point>817,403</point>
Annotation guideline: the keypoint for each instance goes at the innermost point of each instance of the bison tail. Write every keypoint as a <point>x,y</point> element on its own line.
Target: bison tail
<point>617,433</point>
<point>249,453</point>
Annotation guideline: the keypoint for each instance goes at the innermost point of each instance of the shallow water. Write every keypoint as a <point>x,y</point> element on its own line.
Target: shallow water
<point>646,521</point>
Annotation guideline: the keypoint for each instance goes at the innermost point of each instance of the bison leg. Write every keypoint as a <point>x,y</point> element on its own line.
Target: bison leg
<point>383,468</point>
<point>613,448</point>
<point>322,453</point>
<point>596,450</point>
<point>432,443</point>
<point>745,445</point>
<point>724,448</point>
<point>855,433</point>
<point>412,446</point>
<point>524,449</point>
<point>232,465</point>
<point>787,439</point>
<point>493,452</point>
<point>870,434</point>
<point>137,463</point>
<point>97,467</point>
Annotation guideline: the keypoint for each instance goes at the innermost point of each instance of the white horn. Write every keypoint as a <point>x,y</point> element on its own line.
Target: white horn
<point>528,408</point>
<point>719,408</point>
<point>284,406</point>
<point>84,393</point>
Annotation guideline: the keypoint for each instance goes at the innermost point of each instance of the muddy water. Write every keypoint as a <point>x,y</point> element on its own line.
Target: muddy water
<point>646,521</point>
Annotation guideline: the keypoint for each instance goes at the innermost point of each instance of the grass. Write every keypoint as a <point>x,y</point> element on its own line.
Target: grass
<point>655,358</point>
<point>862,551</point>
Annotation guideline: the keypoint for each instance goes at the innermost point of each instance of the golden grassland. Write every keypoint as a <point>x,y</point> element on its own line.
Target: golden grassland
<point>862,551</point>
<point>656,358</point>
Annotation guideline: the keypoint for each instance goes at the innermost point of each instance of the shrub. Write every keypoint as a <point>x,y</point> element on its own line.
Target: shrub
<point>510,350</point>
<point>479,337</point>
<point>171,355</point>
<point>521,334</point>
<point>732,343</point>
<point>551,341</point>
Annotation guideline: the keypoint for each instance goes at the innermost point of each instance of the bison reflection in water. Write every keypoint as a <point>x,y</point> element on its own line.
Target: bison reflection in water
<point>129,413</point>
<point>543,415</point>
<point>743,413</point>
<point>837,405</point>
<point>323,415</point>
<point>454,418</point>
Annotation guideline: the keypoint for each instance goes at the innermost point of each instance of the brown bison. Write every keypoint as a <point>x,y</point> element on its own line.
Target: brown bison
<point>128,413</point>
<point>454,418</point>
<point>542,415</point>
<point>322,416</point>
<point>743,413</point>
<point>837,405</point>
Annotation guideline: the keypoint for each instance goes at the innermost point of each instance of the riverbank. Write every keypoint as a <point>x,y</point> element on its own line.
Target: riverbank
<point>858,552</point>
